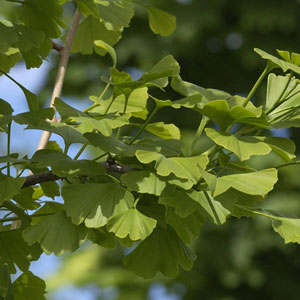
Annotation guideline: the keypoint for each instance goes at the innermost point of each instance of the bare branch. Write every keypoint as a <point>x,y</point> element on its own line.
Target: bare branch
<point>63,62</point>
<point>59,48</point>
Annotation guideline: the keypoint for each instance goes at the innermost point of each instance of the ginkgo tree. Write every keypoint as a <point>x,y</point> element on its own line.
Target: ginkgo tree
<point>144,189</point>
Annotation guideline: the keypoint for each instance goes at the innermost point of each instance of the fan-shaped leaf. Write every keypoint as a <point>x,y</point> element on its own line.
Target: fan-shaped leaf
<point>131,223</point>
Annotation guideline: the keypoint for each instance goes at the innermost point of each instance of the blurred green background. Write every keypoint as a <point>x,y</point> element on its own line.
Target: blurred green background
<point>243,259</point>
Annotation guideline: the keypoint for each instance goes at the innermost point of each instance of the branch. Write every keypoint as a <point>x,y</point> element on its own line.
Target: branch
<point>63,62</point>
<point>59,48</point>
<point>49,176</point>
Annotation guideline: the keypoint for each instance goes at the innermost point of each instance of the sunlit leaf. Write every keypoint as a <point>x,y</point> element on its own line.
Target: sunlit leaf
<point>9,187</point>
<point>109,49</point>
<point>131,223</point>
<point>182,167</point>
<point>144,182</point>
<point>243,147</point>
<point>165,131</point>
<point>115,14</point>
<point>255,183</point>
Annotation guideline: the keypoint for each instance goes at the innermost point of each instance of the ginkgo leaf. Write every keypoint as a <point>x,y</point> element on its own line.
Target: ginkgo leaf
<point>9,187</point>
<point>182,167</point>
<point>14,250</point>
<point>67,132</point>
<point>115,14</point>
<point>277,62</point>
<point>88,7</point>
<point>56,234</point>
<point>95,203</point>
<point>165,131</point>
<point>137,103</point>
<point>131,223</point>
<point>254,183</point>
<point>8,36</point>
<point>187,228</point>
<point>29,286</point>
<point>109,49</point>
<point>34,118</point>
<point>242,147</point>
<point>163,252</point>
<point>284,147</point>
<point>144,182</point>
<point>62,165</point>
<point>90,30</point>
<point>160,21</point>
<point>105,125</point>
<point>5,283</point>
<point>32,99</point>
<point>9,59</point>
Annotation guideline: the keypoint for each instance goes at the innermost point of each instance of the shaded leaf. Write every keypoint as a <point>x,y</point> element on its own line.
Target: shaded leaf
<point>95,203</point>
<point>56,234</point>
<point>161,252</point>
<point>9,187</point>
<point>14,250</point>
<point>29,286</point>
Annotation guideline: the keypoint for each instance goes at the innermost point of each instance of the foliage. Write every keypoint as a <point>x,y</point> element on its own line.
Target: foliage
<point>167,191</point>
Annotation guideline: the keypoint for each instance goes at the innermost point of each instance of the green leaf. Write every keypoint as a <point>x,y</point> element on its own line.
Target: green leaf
<point>95,203</point>
<point>9,59</point>
<point>90,30</point>
<point>137,103</point>
<point>8,36</point>
<point>5,284</point>
<point>220,112</point>
<point>67,132</point>
<point>32,99</point>
<point>188,89</point>
<point>88,7</point>
<point>50,189</point>
<point>109,49</point>
<point>25,199</point>
<point>284,147</point>
<point>160,21</point>
<point>62,165</point>
<point>279,88</point>
<point>131,223</point>
<point>14,250</point>
<point>115,14</point>
<point>101,237</point>
<point>9,187</point>
<point>243,147</point>
<point>186,228</point>
<point>255,183</point>
<point>145,182</point>
<point>165,131</point>
<point>105,125</point>
<point>182,167</point>
<point>29,286</point>
<point>161,252</point>
<point>42,15</point>
<point>184,202</point>
<point>278,63</point>
<point>294,58</point>
<point>56,234</point>
<point>34,118</point>
<point>66,110</point>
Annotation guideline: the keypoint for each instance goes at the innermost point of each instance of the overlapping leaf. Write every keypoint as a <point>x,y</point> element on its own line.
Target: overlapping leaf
<point>182,167</point>
<point>144,182</point>
<point>95,203</point>
<point>243,147</point>
<point>56,234</point>
<point>14,250</point>
<point>131,223</point>
<point>9,187</point>
<point>165,131</point>
<point>29,286</point>
<point>161,252</point>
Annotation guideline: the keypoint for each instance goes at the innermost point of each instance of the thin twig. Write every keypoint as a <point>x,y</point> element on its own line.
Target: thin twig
<point>59,48</point>
<point>63,62</point>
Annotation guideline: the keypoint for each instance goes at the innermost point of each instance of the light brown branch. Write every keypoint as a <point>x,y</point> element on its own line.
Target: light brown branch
<point>63,62</point>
